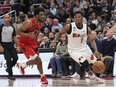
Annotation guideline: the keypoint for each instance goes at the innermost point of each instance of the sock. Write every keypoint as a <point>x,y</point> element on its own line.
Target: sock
<point>41,75</point>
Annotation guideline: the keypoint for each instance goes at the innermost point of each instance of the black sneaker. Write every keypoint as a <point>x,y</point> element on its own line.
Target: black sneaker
<point>11,78</point>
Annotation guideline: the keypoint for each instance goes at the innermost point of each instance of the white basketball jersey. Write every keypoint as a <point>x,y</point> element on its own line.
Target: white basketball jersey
<point>77,38</point>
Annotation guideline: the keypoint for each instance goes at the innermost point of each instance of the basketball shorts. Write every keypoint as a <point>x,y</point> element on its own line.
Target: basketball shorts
<point>28,50</point>
<point>83,54</point>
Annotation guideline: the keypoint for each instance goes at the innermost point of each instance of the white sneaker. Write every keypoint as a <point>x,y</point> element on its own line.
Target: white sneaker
<point>99,80</point>
<point>75,75</point>
<point>86,75</point>
<point>91,77</point>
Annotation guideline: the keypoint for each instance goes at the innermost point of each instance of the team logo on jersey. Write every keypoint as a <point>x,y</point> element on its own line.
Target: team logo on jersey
<point>76,35</point>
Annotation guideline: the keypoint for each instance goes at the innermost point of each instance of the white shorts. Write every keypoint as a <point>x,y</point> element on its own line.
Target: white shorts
<point>82,55</point>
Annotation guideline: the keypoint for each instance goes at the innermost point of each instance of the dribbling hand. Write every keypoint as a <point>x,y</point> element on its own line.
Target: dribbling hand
<point>98,55</point>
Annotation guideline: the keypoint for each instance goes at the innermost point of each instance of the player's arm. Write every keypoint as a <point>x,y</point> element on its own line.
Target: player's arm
<point>93,44</point>
<point>63,31</point>
<point>23,28</point>
<point>91,39</point>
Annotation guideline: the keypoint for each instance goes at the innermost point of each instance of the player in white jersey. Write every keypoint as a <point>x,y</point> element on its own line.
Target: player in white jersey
<point>77,33</point>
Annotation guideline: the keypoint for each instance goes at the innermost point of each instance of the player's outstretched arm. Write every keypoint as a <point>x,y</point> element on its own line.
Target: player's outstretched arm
<point>93,44</point>
<point>63,31</point>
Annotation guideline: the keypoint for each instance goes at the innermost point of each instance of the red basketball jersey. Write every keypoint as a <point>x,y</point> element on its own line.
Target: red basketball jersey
<point>35,29</point>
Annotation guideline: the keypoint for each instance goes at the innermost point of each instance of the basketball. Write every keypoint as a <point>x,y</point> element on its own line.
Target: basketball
<point>98,67</point>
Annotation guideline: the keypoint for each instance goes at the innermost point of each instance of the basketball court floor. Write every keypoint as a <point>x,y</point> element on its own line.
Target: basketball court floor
<point>55,82</point>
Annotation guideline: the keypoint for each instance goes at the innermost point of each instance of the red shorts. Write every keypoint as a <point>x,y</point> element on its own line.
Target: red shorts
<point>28,50</point>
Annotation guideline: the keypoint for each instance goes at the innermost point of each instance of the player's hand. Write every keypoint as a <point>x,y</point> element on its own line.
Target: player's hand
<point>1,49</point>
<point>98,55</point>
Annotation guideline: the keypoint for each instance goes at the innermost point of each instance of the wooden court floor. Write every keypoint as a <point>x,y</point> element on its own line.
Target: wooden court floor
<point>56,82</point>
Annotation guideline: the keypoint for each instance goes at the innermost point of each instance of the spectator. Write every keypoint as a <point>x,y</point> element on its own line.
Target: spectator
<point>108,46</point>
<point>99,28</point>
<point>90,24</point>
<point>64,55</point>
<point>18,23</point>
<point>45,42</point>
<point>48,24</point>
<point>59,1</point>
<point>55,61</point>
<point>57,26</point>
<point>94,18</point>
<point>83,4</point>
<point>53,9</point>
<point>77,7</point>
<point>68,20</point>
<point>22,16</point>
<point>46,32</point>
<point>97,41</point>
<point>114,19</point>
<point>101,22</point>
<point>51,36</point>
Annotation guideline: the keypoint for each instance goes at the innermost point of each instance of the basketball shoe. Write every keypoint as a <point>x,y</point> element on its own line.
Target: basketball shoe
<point>97,79</point>
<point>44,80</point>
<point>75,75</point>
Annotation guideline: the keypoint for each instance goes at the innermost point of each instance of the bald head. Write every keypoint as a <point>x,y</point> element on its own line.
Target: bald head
<point>6,15</point>
<point>7,18</point>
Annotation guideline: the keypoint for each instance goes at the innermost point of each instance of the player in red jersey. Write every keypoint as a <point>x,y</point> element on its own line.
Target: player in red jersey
<point>28,42</point>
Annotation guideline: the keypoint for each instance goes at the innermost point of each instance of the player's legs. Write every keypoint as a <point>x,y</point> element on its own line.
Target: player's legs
<point>79,57</point>
<point>33,59</point>
<point>36,61</point>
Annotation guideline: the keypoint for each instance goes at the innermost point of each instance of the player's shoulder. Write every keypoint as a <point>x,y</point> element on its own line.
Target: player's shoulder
<point>27,22</point>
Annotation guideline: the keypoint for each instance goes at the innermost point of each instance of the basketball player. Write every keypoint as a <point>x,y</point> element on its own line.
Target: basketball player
<point>28,42</point>
<point>78,49</point>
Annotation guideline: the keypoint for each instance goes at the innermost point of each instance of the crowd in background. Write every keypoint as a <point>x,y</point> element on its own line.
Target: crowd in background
<point>99,15</point>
